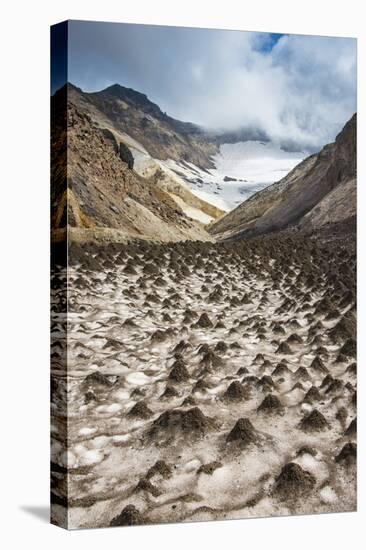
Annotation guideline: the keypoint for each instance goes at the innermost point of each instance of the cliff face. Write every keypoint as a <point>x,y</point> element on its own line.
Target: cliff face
<point>320,191</point>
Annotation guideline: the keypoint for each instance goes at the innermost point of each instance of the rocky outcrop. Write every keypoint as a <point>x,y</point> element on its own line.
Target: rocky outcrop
<point>126,155</point>
<point>318,192</point>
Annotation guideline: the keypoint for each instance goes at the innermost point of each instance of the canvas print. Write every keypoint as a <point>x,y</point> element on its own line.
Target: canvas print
<point>203,274</point>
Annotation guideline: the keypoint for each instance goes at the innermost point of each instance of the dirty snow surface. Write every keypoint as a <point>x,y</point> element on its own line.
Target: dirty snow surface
<point>203,381</point>
<point>241,169</point>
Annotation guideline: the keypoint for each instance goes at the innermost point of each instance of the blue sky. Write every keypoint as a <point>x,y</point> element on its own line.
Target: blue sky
<point>299,88</point>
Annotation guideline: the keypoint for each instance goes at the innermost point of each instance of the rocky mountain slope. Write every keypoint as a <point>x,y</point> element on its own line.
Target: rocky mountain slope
<point>131,112</point>
<point>105,197</point>
<point>318,192</point>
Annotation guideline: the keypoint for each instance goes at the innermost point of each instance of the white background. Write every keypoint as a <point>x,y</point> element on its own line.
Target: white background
<point>24,187</point>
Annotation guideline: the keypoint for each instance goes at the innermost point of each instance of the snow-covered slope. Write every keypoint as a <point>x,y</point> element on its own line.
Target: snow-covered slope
<point>195,207</point>
<point>241,170</point>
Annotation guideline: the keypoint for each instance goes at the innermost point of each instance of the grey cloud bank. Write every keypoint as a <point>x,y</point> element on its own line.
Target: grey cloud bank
<point>299,89</point>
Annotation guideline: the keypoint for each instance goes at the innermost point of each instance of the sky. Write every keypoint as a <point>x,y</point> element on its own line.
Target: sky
<point>293,88</point>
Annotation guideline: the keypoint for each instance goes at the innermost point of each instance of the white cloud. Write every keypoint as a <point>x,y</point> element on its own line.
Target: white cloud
<point>302,90</point>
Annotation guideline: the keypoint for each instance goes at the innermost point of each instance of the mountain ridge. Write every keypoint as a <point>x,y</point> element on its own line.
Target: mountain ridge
<point>97,195</point>
<point>290,202</point>
<point>129,111</point>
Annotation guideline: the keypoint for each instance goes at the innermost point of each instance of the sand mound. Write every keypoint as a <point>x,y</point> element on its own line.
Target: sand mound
<point>317,365</point>
<point>179,372</point>
<point>349,348</point>
<point>140,410</point>
<point>271,404</point>
<point>243,432</point>
<point>169,391</point>
<point>314,422</point>
<point>236,391</point>
<point>352,428</point>
<point>96,378</point>
<point>129,516</point>
<point>204,321</point>
<point>293,482</point>
<point>348,454</point>
<point>209,468</point>
<point>160,468</point>
<point>312,394</point>
<point>191,421</point>
<point>148,487</point>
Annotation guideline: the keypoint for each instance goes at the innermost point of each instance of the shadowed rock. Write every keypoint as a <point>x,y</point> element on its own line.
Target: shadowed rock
<point>126,155</point>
